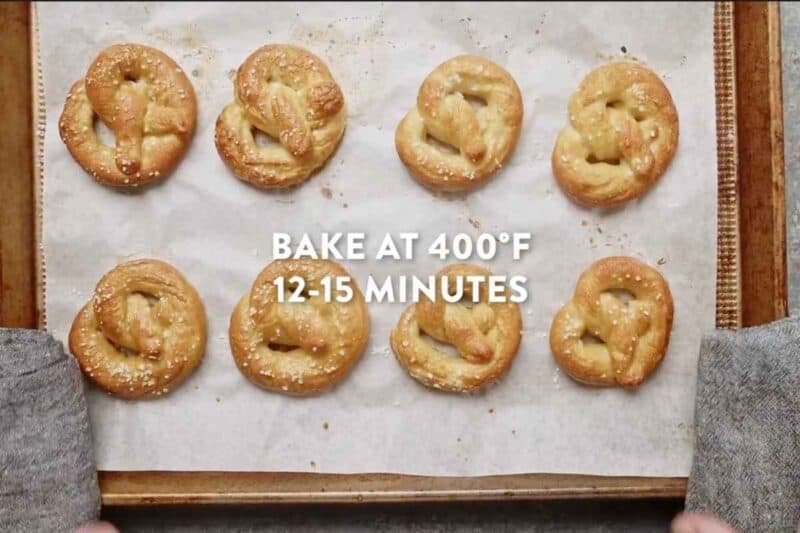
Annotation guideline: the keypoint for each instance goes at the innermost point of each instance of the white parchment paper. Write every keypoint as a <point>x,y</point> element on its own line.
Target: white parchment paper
<point>217,231</point>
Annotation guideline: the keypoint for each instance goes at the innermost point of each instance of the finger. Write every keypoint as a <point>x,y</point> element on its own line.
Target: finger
<point>97,527</point>
<point>699,523</point>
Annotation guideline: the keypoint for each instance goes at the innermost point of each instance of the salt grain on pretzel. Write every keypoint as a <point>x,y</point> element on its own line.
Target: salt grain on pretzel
<point>486,335</point>
<point>632,337</point>
<point>142,333</point>
<point>289,94</point>
<point>298,348</point>
<point>622,135</point>
<point>483,139</point>
<point>146,100</point>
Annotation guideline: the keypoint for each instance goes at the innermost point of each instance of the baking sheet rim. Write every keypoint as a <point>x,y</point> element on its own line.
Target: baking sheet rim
<point>728,315</point>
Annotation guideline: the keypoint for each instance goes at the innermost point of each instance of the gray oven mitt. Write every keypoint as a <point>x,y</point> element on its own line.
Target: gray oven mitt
<point>746,466</point>
<point>48,480</point>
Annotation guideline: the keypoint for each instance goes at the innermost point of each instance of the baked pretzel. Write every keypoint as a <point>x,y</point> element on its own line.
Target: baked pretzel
<point>289,94</point>
<point>144,97</point>
<point>622,135</point>
<point>483,138</point>
<point>486,335</point>
<point>142,333</point>
<point>298,348</point>
<point>633,336</point>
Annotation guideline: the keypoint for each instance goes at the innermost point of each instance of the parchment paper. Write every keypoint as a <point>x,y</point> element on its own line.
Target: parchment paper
<point>217,231</point>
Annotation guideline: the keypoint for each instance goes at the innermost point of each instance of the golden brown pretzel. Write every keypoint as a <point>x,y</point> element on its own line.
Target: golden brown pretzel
<point>289,94</point>
<point>298,348</point>
<point>142,333</point>
<point>484,138</point>
<point>144,97</point>
<point>633,336</point>
<point>622,135</point>
<point>486,335</point>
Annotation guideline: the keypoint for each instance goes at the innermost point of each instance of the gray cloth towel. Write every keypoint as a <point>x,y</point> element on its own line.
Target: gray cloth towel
<point>48,480</point>
<point>746,467</point>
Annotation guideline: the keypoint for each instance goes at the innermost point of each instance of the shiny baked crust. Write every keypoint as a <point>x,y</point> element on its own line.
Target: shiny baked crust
<point>634,335</point>
<point>142,333</point>
<point>484,138</point>
<point>289,94</point>
<point>486,335</point>
<point>622,135</point>
<point>145,98</point>
<point>298,348</point>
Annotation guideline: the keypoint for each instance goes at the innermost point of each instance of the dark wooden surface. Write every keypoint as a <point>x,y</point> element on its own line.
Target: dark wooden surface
<point>761,166</point>
<point>17,279</point>
<point>587,516</point>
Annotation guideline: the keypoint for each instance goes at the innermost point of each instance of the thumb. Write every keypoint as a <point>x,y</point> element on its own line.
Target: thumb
<point>699,523</point>
<point>97,527</point>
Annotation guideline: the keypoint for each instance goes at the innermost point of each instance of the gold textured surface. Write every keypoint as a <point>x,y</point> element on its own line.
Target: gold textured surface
<point>728,286</point>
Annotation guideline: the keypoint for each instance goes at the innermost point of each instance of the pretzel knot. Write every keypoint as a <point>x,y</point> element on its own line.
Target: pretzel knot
<point>486,335</point>
<point>142,333</point>
<point>298,347</point>
<point>622,135</point>
<point>289,94</point>
<point>144,97</point>
<point>631,337</point>
<point>472,144</point>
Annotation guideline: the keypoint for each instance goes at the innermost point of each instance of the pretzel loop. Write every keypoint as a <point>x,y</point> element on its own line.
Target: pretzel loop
<point>463,327</point>
<point>486,335</point>
<point>484,138</point>
<point>294,324</point>
<point>451,118</point>
<point>146,100</point>
<point>632,336</point>
<point>298,347</point>
<point>289,94</point>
